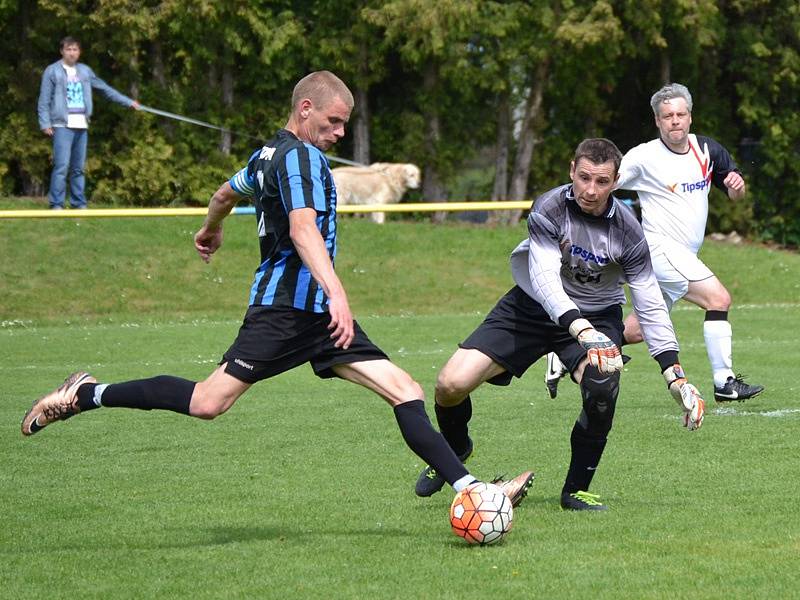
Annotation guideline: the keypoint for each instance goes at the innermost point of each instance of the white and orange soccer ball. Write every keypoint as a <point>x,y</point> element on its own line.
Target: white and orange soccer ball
<point>481,513</point>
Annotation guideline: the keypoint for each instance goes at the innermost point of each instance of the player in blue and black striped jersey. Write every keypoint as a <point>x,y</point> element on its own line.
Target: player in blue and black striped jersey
<point>298,310</point>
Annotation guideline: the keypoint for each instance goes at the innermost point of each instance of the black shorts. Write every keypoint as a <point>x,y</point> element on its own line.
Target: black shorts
<point>274,340</point>
<point>518,332</point>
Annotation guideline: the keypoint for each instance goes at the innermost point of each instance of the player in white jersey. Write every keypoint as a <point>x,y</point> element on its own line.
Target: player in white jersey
<point>672,176</point>
<point>582,245</point>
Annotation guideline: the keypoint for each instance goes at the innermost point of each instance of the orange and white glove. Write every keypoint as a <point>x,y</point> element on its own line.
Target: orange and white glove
<point>603,354</point>
<point>687,397</point>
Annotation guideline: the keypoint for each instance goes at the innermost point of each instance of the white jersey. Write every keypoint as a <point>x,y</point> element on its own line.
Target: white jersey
<point>575,261</point>
<point>673,188</point>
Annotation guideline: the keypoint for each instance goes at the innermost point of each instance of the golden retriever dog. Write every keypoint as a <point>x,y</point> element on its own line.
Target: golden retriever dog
<point>379,183</point>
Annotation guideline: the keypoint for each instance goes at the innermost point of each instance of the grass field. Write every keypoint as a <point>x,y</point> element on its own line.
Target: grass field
<point>304,489</point>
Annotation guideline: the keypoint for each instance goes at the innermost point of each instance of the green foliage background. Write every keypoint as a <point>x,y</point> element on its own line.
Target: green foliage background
<point>740,58</point>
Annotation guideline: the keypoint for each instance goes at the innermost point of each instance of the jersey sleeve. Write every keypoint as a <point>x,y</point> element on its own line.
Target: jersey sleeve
<point>544,267</point>
<point>300,181</point>
<point>629,171</point>
<point>242,181</point>
<point>721,159</point>
<point>648,303</point>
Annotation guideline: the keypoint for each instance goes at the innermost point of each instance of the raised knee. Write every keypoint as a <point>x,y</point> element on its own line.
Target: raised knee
<point>633,331</point>
<point>204,407</point>
<point>724,299</point>
<point>633,336</point>
<point>204,411</point>
<point>448,389</point>
<point>599,392</point>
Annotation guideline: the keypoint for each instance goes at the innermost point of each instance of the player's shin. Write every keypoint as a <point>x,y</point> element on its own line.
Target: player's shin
<point>590,433</point>
<point>426,442</point>
<point>587,450</point>
<point>164,392</point>
<point>453,422</point>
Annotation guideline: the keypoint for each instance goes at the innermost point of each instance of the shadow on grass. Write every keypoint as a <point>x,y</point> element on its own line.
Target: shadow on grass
<point>210,537</point>
<point>218,536</point>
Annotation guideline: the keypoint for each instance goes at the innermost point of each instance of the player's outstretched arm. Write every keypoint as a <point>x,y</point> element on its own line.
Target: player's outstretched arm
<point>311,248</point>
<point>209,238</point>
<point>600,350</point>
<point>687,396</point>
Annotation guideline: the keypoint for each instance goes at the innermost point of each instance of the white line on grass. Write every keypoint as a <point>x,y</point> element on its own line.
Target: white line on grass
<point>29,324</point>
<point>690,306</point>
<point>733,412</point>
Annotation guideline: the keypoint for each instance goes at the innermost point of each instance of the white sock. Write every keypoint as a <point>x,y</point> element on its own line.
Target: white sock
<point>98,393</point>
<point>719,345</point>
<point>463,482</point>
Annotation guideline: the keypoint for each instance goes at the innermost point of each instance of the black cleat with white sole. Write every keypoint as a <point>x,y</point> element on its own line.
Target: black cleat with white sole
<point>736,389</point>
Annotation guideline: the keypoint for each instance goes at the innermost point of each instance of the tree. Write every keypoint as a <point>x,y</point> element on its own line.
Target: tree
<point>765,63</point>
<point>431,39</point>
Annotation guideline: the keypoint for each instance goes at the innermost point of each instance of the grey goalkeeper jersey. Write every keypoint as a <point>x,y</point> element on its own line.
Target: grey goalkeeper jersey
<point>576,261</point>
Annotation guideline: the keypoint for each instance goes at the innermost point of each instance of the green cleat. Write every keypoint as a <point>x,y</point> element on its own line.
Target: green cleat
<point>581,501</point>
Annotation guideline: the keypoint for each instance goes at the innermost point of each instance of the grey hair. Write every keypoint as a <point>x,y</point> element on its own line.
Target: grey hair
<point>668,92</point>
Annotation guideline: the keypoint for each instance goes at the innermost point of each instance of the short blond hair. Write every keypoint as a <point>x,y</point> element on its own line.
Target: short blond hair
<point>321,87</point>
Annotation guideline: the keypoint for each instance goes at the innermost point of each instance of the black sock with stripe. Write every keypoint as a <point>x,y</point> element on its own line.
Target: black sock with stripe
<point>164,392</point>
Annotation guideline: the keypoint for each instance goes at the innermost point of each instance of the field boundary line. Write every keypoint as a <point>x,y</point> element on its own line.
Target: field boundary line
<point>22,324</point>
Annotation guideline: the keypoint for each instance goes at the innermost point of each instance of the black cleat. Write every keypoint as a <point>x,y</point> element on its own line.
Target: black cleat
<point>735,388</point>
<point>581,501</point>
<point>429,481</point>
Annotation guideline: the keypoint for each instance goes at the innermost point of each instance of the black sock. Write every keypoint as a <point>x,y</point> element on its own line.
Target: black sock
<point>161,393</point>
<point>453,423</point>
<point>426,442</point>
<point>86,397</point>
<point>586,454</point>
<point>716,315</point>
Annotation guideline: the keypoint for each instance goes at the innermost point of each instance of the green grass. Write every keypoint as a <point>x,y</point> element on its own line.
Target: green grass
<point>304,489</point>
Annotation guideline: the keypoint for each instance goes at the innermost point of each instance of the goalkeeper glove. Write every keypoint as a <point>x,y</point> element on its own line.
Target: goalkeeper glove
<point>603,354</point>
<point>687,397</point>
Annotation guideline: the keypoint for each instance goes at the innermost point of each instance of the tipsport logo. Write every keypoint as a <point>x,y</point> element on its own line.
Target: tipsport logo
<point>706,170</point>
<point>587,255</point>
<point>688,188</point>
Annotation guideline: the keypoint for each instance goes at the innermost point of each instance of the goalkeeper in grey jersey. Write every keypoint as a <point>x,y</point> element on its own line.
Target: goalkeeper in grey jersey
<point>583,245</point>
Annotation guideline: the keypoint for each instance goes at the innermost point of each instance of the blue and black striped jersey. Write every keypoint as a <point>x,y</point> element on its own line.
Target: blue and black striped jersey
<point>284,175</point>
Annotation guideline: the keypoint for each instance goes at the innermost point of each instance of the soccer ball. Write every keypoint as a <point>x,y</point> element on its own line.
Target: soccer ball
<point>481,513</point>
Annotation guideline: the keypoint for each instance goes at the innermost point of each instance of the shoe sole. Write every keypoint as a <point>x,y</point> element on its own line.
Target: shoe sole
<point>722,399</point>
<point>600,508</point>
<point>523,491</point>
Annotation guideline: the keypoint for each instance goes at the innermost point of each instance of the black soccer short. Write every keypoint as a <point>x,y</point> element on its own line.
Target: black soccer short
<point>518,332</point>
<point>273,340</point>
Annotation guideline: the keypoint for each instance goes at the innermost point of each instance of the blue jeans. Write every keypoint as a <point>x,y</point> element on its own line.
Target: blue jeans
<point>69,156</point>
